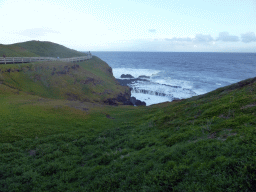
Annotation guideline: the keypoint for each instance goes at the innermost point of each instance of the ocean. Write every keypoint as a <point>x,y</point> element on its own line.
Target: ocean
<point>164,76</point>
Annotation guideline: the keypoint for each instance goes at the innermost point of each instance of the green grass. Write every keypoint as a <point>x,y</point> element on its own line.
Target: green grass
<point>15,51</point>
<point>205,143</point>
<point>38,49</point>
<point>91,80</point>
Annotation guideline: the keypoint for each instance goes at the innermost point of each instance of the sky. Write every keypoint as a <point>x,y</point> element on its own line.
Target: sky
<point>133,25</point>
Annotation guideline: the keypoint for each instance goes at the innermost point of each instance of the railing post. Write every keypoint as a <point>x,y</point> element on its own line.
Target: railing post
<point>13,60</point>
<point>5,61</point>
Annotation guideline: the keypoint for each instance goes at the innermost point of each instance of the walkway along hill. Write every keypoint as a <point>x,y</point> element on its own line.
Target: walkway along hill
<point>88,79</point>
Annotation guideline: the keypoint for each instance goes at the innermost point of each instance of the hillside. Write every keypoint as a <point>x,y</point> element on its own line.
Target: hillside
<point>90,81</point>
<point>59,133</point>
<point>38,48</point>
<point>15,51</point>
<point>205,143</point>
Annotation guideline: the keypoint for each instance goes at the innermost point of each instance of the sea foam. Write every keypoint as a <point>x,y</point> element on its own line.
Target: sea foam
<point>117,72</point>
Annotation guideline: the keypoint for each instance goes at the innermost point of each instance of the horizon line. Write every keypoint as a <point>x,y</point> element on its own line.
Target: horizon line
<point>174,51</point>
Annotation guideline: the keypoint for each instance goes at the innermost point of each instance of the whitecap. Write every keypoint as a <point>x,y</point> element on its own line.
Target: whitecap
<point>150,99</point>
<point>117,72</point>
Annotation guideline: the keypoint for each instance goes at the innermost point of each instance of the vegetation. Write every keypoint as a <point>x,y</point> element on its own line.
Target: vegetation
<point>91,80</point>
<point>14,51</point>
<point>205,143</point>
<point>38,49</point>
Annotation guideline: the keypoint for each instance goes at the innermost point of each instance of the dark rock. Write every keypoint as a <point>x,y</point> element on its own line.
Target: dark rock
<point>75,66</point>
<point>72,97</point>
<point>111,101</point>
<point>126,82</point>
<point>109,117</point>
<point>137,102</point>
<point>110,70</point>
<point>133,100</point>
<point>176,99</point>
<point>62,72</point>
<point>126,76</point>
<point>144,76</point>
<point>149,92</point>
<point>121,98</point>
<point>88,80</point>
<point>140,103</point>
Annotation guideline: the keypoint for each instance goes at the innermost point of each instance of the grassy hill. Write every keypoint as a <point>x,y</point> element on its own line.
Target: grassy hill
<point>90,81</point>
<point>38,48</point>
<point>15,51</point>
<point>50,142</point>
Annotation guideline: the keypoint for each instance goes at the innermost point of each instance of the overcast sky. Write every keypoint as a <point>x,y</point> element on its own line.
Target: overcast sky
<point>133,25</point>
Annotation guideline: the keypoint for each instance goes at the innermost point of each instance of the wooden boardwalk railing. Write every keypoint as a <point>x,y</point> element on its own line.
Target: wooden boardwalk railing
<point>13,60</point>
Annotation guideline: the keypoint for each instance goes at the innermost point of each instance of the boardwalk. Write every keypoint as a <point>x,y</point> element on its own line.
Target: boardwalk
<point>13,60</point>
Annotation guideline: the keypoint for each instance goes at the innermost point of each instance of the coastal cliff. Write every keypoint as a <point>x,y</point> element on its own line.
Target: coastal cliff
<point>90,81</point>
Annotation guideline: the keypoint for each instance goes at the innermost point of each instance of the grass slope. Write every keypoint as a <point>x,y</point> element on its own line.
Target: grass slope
<point>90,81</point>
<point>15,51</point>
<point>38,48</point>
<point>205,143</point>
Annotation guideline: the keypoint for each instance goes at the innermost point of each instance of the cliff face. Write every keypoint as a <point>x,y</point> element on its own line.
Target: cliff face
<point>90,81</point>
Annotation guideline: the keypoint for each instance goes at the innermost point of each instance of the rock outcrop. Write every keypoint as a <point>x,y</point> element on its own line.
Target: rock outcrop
<point>121,98</point>
<point>144,76</point>
<point>137,102</point>
<point>126,76</point>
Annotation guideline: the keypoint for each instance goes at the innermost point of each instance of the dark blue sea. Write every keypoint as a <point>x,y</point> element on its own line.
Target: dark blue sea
<point>170,75</point>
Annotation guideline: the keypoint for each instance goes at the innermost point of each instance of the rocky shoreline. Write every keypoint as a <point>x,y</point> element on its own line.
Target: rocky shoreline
<point>127,80</point>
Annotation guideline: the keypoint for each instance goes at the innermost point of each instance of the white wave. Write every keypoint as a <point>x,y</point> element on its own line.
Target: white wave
<point>174,82</point>
<point>153,93</point>
<point>117,72</point>
<point>150,99</point>
<point>200,91</point>
<point>158,89</point>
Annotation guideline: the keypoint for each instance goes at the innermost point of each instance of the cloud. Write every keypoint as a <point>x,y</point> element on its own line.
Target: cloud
<point>248,37</point>
<point>152,30</point>
<point>36,32</point>
<point>224,36</point>
<point>182,39</point>
<point>199,38</point>
<point>203,38</point>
